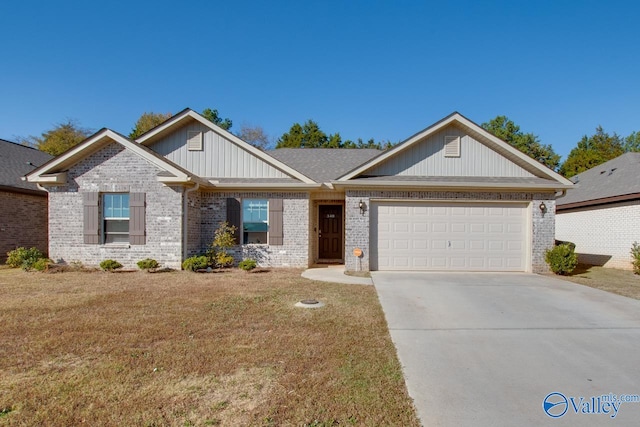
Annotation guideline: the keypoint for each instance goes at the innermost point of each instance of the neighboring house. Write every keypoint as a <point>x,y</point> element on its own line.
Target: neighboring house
<point>452,197</point>
<point>23,207</point>
<point>602,214</point>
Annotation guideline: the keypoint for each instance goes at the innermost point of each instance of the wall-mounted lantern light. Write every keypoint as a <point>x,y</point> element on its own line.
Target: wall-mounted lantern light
<point>362,206</point>
<point>543,207</point>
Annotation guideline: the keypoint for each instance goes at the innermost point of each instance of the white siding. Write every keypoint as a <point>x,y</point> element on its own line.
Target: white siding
<point>427,158</point>
<point>220,158</point>
<point>603,235</point>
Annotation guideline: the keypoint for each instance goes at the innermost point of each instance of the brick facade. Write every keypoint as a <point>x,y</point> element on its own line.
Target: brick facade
<point>603,234</point>
<point>114,169</point>
<point>23,222</point>
<point>357,225</point>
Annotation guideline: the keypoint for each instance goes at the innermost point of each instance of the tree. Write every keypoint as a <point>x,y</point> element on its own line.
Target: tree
<point>59,139</point>
<point>255,136</point>
<point>632,142</point>
<point>310,135</point>
<point>213,116</point>
<point>148,121</point>
<point>528,143</point>
<point>592,151</point>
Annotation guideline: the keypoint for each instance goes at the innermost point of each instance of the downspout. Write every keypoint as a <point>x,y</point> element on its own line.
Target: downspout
<point>185,219</point>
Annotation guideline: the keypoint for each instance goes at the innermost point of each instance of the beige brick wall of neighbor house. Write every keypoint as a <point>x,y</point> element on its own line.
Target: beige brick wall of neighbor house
<point>357,225</point>
<point>23,222</point>
<point>295,223</point>
<point>114,169</point>
<point>603,235</point>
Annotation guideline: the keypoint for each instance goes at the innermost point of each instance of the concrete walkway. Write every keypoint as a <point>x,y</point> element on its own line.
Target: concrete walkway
<point>334,274</point>
<point>488,349</point>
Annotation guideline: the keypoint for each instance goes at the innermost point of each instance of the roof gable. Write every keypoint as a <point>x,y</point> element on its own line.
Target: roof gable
<point>481,155</point>
<point>223,154</point>
<point>54,171</point>
<point>16,161</point>
<point>614,179</point>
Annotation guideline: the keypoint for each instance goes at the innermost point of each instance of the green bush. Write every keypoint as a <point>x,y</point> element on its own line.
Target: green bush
<point>219,249</point>
<point>24,258</point>
<point>635,253</point>
<point>562,259</point>
<point>42,264</point>
<point>110,265</point>
<point>195,263</point>
<point>247,264</point>
<point>147,264</point>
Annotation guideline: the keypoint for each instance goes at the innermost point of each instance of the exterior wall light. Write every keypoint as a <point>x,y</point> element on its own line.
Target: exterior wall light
<point>543,207</point>
<point>362,206</point>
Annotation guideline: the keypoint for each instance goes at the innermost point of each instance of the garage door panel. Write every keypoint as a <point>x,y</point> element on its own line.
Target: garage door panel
<point>468,236</point>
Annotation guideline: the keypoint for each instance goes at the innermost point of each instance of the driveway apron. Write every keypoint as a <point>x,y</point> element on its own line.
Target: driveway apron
<point>512,349</point>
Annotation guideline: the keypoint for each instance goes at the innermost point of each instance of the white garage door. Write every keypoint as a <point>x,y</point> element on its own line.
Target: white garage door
<point>448,236</point>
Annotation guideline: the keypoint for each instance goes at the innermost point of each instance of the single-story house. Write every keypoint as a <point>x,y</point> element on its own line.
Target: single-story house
<point>602,214</point>
<point>23,216</point>
<point>451,197</point>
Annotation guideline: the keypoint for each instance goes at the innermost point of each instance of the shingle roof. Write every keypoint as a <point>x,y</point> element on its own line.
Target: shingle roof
<point>18,160</point>
<point>617,177</point>
<point>324,164</point>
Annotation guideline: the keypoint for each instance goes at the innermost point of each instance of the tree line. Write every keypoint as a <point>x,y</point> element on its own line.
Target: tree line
<point>589,152</point>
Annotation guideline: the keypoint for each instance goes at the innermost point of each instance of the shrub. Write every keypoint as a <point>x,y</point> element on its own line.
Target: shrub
<point>42,264</point>
<point>247,264</point>
<point>147,264</point>
<point>110,265</point>
<point>562,259</point>
<point>195,263</point>
<point>224,238</point>
<point>635,253</point>
<point>23,257</point>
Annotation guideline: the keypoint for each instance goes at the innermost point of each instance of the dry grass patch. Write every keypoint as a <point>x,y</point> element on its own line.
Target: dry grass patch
<point>194,349</point>
<point>621,282</point>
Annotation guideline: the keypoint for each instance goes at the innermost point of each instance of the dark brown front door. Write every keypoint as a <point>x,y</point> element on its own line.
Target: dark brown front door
<point>330,233</point>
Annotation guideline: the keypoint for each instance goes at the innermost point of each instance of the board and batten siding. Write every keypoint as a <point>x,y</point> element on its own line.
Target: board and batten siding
<point>219,158</point>
<point>426,158</point>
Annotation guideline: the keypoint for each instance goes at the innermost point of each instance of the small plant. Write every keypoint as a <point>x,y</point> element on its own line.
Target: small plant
<point>195,263</point>
<point>147,264</point>
<point>42,264</point>
<point>223,239</point>
<point>635,253</point>
<point>110,265</point>
<point>562,259</point>
<point>23,257</point>
<point>247,264</point>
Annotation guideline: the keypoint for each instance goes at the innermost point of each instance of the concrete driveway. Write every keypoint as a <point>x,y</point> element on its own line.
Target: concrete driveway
<point>484,349</point>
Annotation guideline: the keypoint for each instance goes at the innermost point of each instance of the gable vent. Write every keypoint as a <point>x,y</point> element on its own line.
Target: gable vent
<point>452,146</point>
<point>194,140</point>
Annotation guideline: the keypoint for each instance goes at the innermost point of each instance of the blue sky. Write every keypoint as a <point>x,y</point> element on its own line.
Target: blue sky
<point>369,69</point>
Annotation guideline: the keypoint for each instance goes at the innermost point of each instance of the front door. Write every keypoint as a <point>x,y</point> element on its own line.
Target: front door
<point>330,232</point>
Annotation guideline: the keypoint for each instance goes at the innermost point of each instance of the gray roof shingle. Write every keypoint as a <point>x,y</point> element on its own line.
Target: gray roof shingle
<point>617,177</point>
<point>18,160</point>
<point>324,164</point>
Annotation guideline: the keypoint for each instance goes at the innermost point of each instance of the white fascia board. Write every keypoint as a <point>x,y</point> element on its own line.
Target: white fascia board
<point>228,135</point>
<point>53,178</point>
<point>381,185</point>
<point>263,186</point>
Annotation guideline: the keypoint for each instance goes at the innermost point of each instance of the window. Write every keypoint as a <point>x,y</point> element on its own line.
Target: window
<point>115,214</point>
<point>255,220</point>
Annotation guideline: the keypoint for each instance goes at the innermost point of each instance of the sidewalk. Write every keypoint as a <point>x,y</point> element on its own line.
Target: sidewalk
<point>335,274</point>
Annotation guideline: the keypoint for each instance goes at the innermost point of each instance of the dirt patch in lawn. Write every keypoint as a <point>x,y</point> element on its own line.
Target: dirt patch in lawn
<point>194,349</point>
<point>621,282</point>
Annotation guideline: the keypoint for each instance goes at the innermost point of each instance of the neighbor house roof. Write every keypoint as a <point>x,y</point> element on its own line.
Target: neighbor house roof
<point>552,179</point>
<point>613,181</point>
<point>15,162</point>
<point>324,164</point>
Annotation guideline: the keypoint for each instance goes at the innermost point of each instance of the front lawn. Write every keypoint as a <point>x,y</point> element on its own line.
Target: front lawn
<point>188,349</point>
<point>621,282</point>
